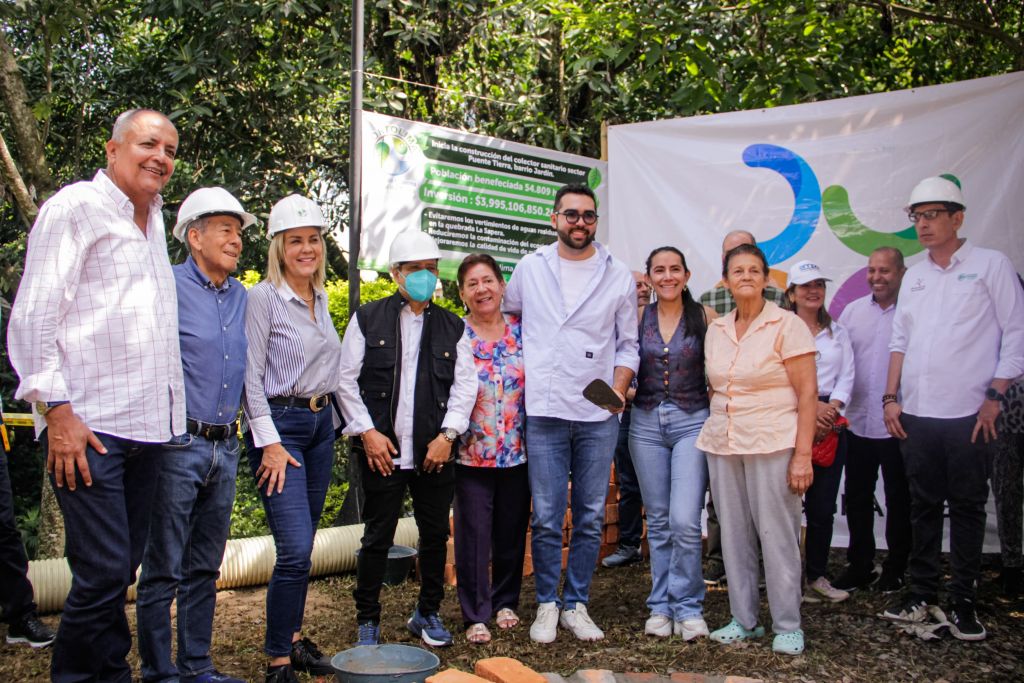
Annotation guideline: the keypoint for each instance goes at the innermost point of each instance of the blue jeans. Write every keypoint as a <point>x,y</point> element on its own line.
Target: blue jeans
<point>673,477</point>
<point>560,449</point>
<point>293,516</point>
<point>105,526</point>
<point>187,533</point>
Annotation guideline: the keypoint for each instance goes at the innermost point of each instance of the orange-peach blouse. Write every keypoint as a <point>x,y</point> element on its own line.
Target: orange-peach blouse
<point>753,409</point>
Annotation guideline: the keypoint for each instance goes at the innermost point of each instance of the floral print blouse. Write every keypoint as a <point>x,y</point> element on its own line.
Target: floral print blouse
<point>497,425</point>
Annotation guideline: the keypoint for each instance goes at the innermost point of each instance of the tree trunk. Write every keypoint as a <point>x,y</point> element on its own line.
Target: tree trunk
<point>51,524</point>
<point>12,179</point>
<point>23,124</point>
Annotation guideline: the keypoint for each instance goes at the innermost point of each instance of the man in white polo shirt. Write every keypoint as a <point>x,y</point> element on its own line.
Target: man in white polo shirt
<point>957,344</point>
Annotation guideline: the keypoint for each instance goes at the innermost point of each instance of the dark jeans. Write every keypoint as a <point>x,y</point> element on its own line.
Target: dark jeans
<point>492,512</point>
<point>293,516</point>
<point>431,502</point>
<point>863,459</point>
<point>820,510</point>
<point>943,465</point>
<point>630,501</point>
<point>187,532</point>
<point>15,590</point>
<point>105,526</point>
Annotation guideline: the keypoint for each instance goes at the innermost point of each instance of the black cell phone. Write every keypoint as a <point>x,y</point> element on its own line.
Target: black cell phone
<point>603,396</point>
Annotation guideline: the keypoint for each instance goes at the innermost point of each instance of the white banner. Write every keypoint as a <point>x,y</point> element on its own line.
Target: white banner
<point>826,181</point>
<point>472,193</point>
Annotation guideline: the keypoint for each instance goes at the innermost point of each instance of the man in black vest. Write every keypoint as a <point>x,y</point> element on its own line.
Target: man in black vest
<point>408,386</point>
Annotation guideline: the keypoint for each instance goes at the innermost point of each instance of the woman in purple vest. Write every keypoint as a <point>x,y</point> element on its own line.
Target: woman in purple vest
<point>669,410</point>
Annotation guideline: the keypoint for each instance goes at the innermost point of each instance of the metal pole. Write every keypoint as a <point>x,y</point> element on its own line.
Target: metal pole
<point>352,507</point>
<point>355,180</point>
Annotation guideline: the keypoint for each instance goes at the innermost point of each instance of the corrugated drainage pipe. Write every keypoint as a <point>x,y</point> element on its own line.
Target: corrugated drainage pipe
<point>247,562</point>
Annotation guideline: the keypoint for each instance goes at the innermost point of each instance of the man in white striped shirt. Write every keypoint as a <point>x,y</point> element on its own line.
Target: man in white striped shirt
<point>94,339</point>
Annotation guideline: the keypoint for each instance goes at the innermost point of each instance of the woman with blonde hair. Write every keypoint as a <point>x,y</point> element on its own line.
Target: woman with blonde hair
<point>292,371</point>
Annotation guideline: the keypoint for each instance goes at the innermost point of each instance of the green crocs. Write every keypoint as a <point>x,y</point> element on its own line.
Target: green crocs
<point>734,633</point>
<point>789,643</point>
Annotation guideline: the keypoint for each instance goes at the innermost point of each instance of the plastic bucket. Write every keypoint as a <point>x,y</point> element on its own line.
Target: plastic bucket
<point>390,663</point>
<point>400,562</point>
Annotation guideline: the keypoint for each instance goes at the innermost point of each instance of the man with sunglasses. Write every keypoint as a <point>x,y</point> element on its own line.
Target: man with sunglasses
<point>957,344</point>
<point>578,310</point>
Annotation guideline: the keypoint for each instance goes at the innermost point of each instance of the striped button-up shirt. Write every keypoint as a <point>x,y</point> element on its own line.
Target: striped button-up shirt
<point>290,354</point>
<point>96,317</point>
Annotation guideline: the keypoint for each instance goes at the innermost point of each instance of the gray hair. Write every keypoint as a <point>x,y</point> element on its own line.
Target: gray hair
<point>125,120</point>
<point>735,233</point>
<point>195,224</point>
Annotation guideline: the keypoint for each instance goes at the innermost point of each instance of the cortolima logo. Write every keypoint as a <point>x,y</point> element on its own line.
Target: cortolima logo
<point>395,149</point>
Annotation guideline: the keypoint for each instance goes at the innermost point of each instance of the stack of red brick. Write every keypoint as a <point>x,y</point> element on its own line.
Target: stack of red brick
<point>609,535</point>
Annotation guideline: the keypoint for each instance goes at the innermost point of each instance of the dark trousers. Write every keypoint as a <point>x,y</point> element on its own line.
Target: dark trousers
<point>714,541</point>
<point>1008,491</point>
<point>492,512</point>
<point>820,510</point>
<point>942,466</point>
<point>105,525</point>
<point>630,502</point>
<point>15,590</point>
<point>863,459</point>
<point>431,501</point>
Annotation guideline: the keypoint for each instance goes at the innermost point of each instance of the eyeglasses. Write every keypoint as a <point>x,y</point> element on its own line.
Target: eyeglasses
<point>928,215</point>
<point>572,216</point>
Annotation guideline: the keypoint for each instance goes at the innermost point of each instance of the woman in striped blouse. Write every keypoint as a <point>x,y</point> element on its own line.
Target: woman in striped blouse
<point>291,373</point>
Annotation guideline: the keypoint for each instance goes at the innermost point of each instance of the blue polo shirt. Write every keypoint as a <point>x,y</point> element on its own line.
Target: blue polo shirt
<point>211,327</point>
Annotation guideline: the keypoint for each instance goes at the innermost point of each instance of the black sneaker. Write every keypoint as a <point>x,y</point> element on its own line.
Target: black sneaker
<point>909,609</point>
<point>963,622</point>
<point>714,574</point>
<point>851,580</point>
<point>889,582</point>
<point>281,674</point>
<point>31,631</point>
<point>307,657</point>
<point>623,555</point>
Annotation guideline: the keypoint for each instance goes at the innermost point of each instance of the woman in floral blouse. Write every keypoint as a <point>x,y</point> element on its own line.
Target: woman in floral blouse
<point>492,491</point>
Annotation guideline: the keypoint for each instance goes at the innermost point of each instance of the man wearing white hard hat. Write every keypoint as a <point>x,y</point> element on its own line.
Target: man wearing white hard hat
<point>193,500</point>
<point>957,344</point>
<point>94,338</point>
<point>408,387</point>
<point>290,417</point>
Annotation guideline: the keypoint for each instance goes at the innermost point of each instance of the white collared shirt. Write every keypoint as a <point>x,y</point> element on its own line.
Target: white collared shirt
<point>959,327</point>
<point>460,400</point>
<point>834,360</point>
<point>870,328</point>
<point>565,349</point>
<point>95,321</point>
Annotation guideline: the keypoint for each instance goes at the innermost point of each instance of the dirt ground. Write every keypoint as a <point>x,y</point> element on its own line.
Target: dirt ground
<point>845,642</point>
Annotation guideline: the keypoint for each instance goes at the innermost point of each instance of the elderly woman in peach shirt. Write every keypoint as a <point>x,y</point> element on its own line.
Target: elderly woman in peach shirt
<point>760,366</point>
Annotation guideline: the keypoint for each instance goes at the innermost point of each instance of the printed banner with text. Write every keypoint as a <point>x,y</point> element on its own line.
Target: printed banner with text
<point>471,193</point>
<point>825,181</point>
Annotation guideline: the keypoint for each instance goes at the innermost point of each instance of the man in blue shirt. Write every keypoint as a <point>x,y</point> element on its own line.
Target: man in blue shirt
<point>578,309</point>
<point>196,489</point>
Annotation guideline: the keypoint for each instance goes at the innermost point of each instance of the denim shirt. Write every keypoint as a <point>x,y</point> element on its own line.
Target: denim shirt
<point>497,424</point>
<point>211,329</point>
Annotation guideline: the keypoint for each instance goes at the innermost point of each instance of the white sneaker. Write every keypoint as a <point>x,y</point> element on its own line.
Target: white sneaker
<point>822,587</point>
<point>579,622</point>
<point>658,625</point>
<point>690,628</point>
<point>545,625</point>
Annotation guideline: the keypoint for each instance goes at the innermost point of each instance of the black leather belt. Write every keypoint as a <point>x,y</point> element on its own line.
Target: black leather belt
<point>314,403</point>
<point>211,432</point>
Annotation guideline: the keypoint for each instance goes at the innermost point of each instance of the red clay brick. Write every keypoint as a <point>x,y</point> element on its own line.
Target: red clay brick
<point>742,679</point>
<point>507,670</point>
<point>449,574</point>
<point>454,676</point>
<point>565,558</point>
<point>681,677</point>
<point>450,557</point>
<point>611,513</point>
<point>528,565</point>
<point>638,677</point>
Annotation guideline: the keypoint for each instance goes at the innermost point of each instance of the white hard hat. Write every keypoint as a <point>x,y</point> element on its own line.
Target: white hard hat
<point>936,189</point>
<point>294,211</point>
<point>208,201</point>
<point>802,272</point>
<point>413,245</point>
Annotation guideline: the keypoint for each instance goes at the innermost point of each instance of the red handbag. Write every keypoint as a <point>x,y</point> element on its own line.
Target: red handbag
<point>823,453</point>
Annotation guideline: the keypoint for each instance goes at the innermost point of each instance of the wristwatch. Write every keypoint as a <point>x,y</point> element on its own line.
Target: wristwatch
<point>43,407</point>
<point>450,434</point>
<point>993,395</point>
